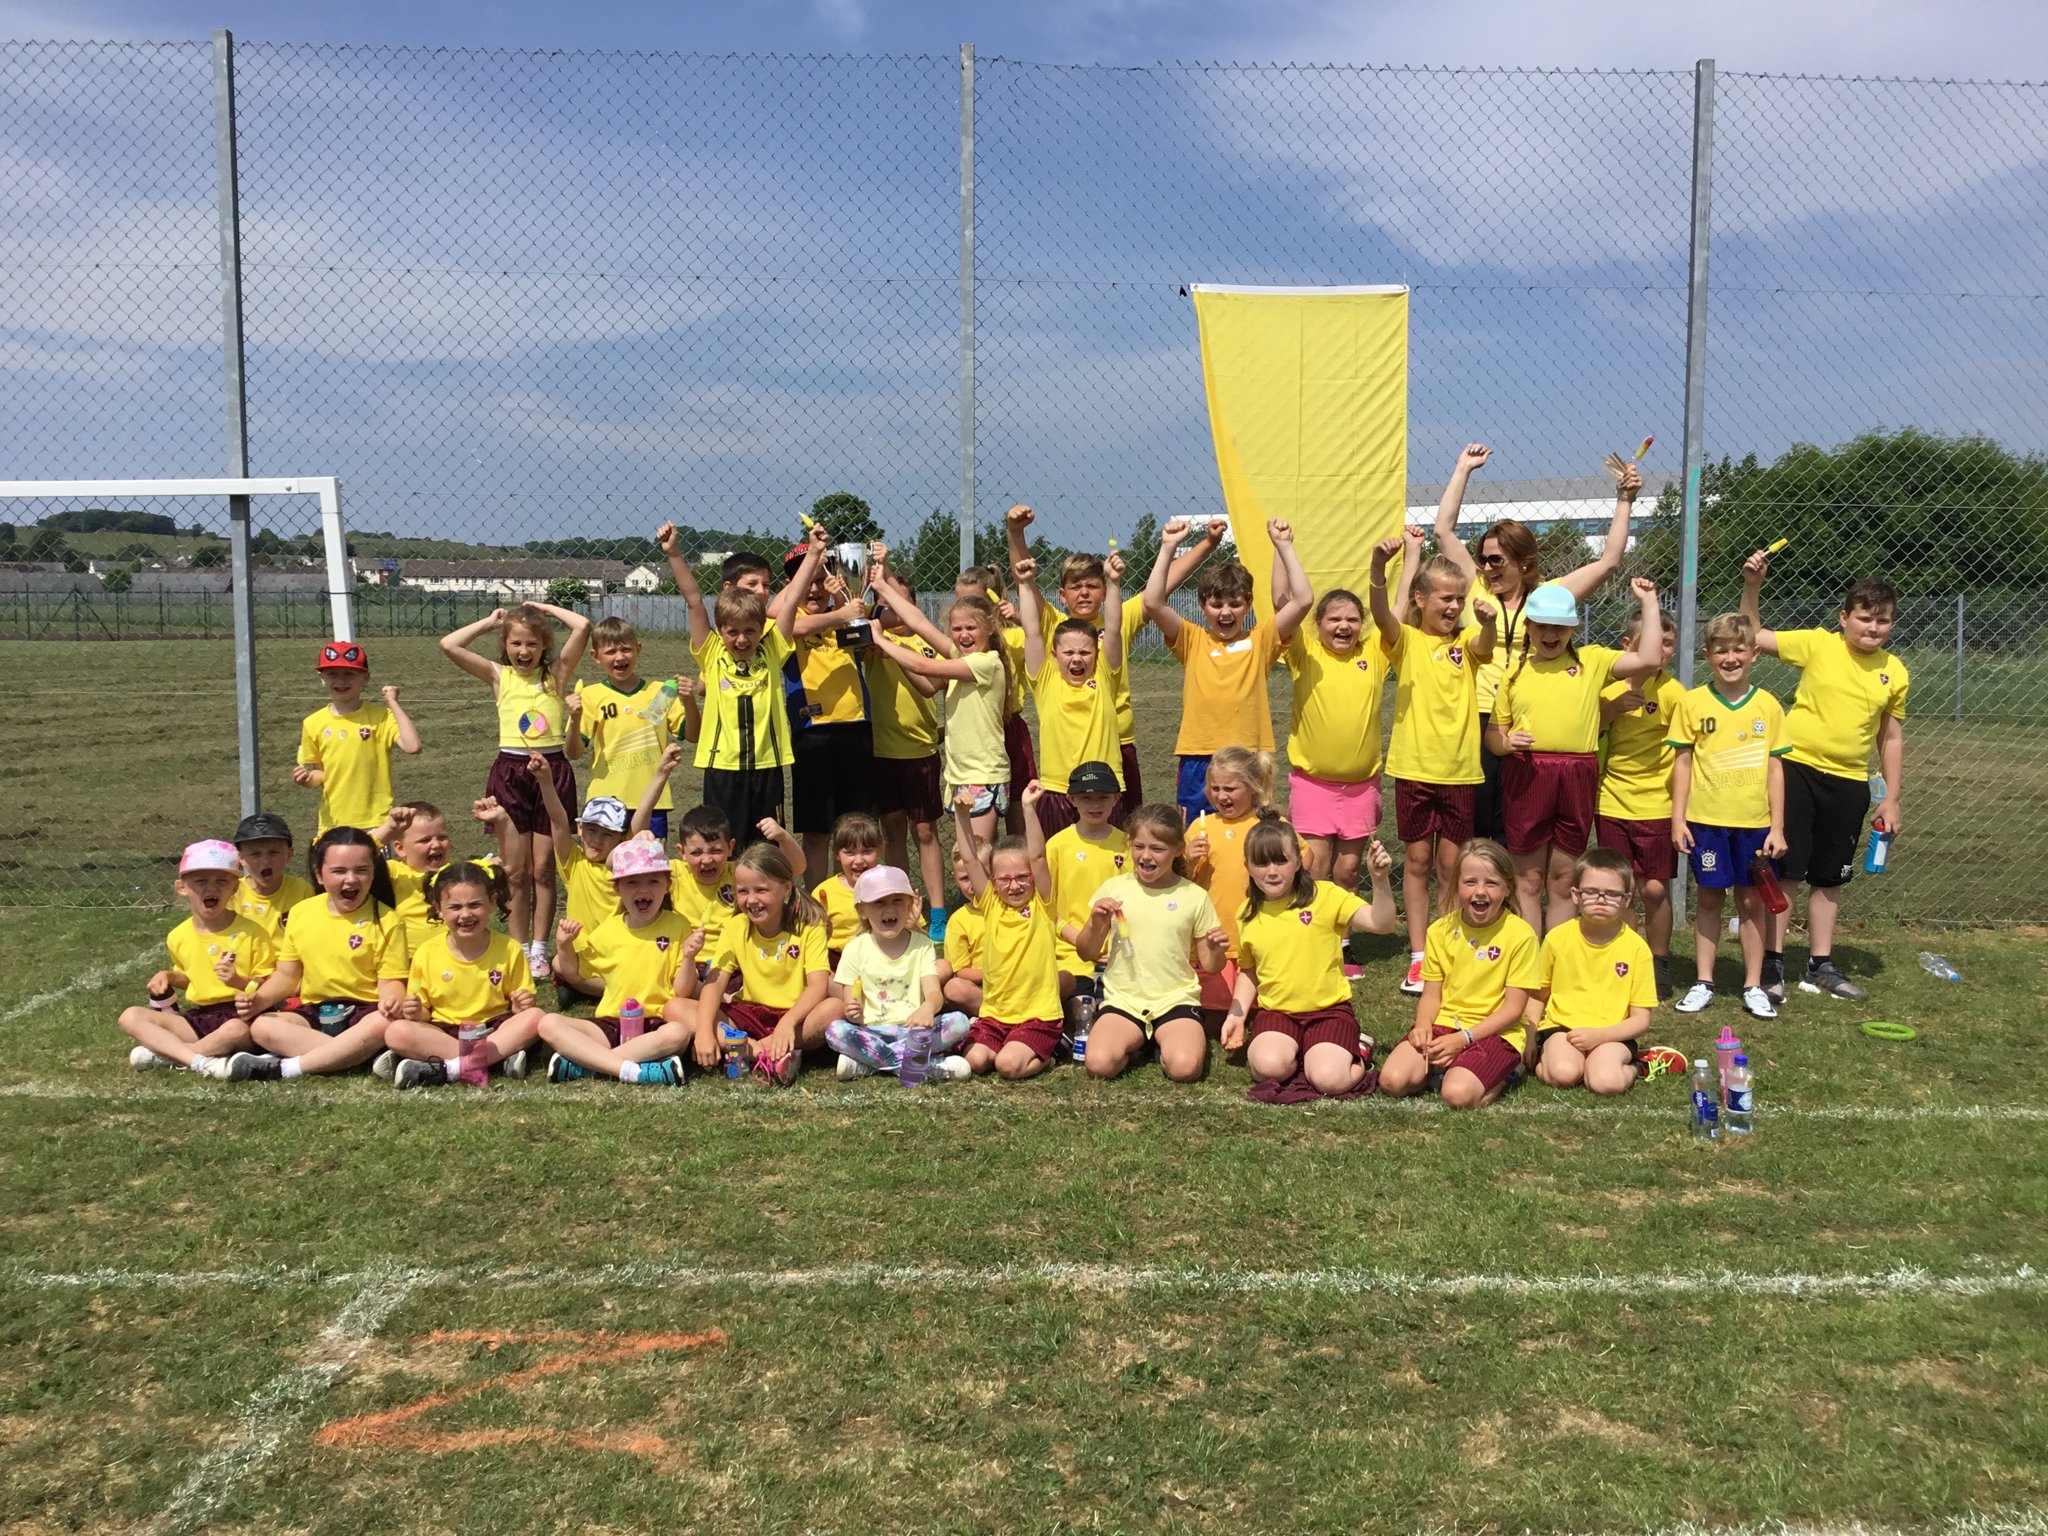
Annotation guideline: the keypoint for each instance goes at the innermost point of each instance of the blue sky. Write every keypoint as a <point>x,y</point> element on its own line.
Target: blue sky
<point>512,295</point>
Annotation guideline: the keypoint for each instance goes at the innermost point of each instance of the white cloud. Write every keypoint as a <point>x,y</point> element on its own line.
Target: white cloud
<point>845,20</point>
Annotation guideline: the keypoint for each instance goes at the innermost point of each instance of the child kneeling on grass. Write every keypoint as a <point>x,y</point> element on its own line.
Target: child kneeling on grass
<point>887,984</point>
<point>469,1003</point>
<point>1019,1026</point>
<point>1291,958</point>
<point>774,944</point>
<point>645,953</point>
<point>215,954</point>
<point>344,960</point>
<point>1479,965</point>
<point>1598,985</point>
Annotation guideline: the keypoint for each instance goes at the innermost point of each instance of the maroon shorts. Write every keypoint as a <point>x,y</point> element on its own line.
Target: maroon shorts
<point>1042,1035</point>
<point>484,1030</point>
<point>1492,1060</point>
<point>331,1018</point>
<point>1023,756</point>
<point>610,1028</point>
<point>206,1020</point>
<point>909,785</point>
<point>1548,797</point>
<point>1134,787</point>
<point>1423,811</point>
<point>756,1021</point>
<point>1055,813</point>
<point>514,789</point>
<point>1337,1025</point>
<point>1645,844</point>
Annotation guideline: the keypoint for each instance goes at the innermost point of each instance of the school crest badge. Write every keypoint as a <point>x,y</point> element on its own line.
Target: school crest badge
<point>497,977</point>
<point>355,941</point>
<point>661,942</point>
<point>1621,967</point>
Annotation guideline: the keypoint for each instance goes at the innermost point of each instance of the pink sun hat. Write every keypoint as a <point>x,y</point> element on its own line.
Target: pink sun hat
<point>638,856</point>
<point>880,883</point>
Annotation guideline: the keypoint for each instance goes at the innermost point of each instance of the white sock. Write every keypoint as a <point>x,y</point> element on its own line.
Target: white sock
<point>289,1068</point>
<point>629,1071</point>
<point>453,1068</point>
<point>1414,955</point>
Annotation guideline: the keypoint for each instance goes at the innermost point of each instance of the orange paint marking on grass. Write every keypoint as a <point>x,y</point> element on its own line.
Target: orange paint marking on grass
<point>394,1429</point>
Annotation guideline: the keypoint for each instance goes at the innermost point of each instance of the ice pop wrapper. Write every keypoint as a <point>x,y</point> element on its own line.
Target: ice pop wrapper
<point>1776,545</point>
<point>1642,450</point>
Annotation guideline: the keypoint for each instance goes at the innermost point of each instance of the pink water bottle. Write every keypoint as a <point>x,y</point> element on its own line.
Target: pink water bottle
<point>632,1020</point>
<point>1765,879</point>
<point>1726,1049</point>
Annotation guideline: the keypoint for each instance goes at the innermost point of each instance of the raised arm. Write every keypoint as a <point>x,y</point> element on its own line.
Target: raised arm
<point>1385,617</point>
<point>935,669</point>
<point>455,646</point>
<point>571,654</point>
<point>408,733</point>
<point>1290,610</point>
<point>1189,560</point>
<point>1112,612</point>
<point>559,826</point>
<point>671,541</point>
<point>1452,502</point>
<point>899,602</point>
<point>643,813</point>
<point>792,848</point>
<point>1648,654</point>
<point>1157,609</point>
<point>1378,916</point>
<point>1030,611</point>
<point>572,726</point>
<point>1034,840</point>
<point>1754,570</point>
<point>963,833</point>
<point>1581,582</point>
<point>783,609</point>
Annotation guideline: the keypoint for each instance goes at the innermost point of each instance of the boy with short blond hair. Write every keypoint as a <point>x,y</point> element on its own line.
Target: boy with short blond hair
<point>1728,803</point>
<point>622,721</point>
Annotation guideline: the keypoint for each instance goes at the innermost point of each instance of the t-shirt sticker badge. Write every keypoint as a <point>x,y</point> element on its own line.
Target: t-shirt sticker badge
<point>1173,906</point>
<point>661,942</point>
<point>1621,967</point>
<point>447,975</point>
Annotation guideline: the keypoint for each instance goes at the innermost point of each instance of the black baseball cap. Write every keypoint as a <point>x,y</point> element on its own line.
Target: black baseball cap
<point>264,824</point>
<point>1096,778</point>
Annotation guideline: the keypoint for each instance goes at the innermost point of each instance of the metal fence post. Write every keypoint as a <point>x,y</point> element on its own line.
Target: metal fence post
<point>966,304</point>
<point>242,594</point>
<point>1695,389</point>
<point>1959,658</point>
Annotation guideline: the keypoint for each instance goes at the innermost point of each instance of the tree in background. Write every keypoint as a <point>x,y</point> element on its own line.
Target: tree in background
<point>120,579</point>
<point>847,518</point>
<point>210,556</point>
<point>568,592</point>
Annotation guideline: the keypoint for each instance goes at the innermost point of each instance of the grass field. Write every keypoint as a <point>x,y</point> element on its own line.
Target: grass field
<point>1058,1306</point>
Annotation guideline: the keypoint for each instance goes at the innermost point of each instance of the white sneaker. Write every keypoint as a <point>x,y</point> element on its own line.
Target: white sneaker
<point>215,1067</point>
<point>1412,984</point>
<point>954,1069</point>
<point>143,1059</point>
<point>513,1066</point>
<point>849,1069</point>
<point>1698,996</point>
<point>385,1065</point>
<point>1758,1002</point>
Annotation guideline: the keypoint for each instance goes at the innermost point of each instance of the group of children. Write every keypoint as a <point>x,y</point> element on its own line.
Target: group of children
<point>1154,928</point>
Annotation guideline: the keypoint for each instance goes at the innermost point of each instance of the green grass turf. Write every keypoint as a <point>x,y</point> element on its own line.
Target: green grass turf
<point>127,752</point>
<point>1350,1391</point>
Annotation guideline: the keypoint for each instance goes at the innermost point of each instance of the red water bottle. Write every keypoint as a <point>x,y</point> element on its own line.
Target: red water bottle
<point>1765,879</point>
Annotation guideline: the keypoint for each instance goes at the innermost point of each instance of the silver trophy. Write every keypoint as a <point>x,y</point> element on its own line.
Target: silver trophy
<point>850,562</point>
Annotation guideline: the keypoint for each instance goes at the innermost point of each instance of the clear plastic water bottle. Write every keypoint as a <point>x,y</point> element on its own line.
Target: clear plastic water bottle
<point>1937,967</point>
<point>1877,789</point>
<point>1736,1122</point>
<point>1706,1102</point>
<point>664,700</point>
<point>1084,1016</point>
<point>731,1038</point>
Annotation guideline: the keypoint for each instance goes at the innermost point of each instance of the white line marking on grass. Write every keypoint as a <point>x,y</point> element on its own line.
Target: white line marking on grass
<point>385,1288</point>
<point>274,1411</point>
<point>2026,1522</point>
<point>88,981</point>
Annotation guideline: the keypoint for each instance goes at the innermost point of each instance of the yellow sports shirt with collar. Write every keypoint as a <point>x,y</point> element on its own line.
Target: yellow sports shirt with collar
<point>1844,695</point>
<point>345,955</point>
<point>1436,707</point>
<point>624,734</point>
<point>353,754</point>
<point>1298,952</point>
<point>1635,782</point>
<point>1732,744</point>
<point>1223,699</point>
<point>1558,700</point>
<point>1476,967</point>
<point>634,962</point>
<point>1336,720</point>
<point>1079,865</point>
<point>1593,986</point>
<point>745,723</point>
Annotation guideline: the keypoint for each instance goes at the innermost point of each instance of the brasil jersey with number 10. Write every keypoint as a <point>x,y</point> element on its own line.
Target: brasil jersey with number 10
<point>531,715</point>
<point>1732,742</point>
<point>626,734</point>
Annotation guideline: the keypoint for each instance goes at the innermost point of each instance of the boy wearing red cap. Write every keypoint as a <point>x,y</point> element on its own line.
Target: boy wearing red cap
<point>345,745</point>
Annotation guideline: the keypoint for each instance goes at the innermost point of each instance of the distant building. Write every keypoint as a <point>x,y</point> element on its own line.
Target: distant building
<point>1585,503</point>
<point>513,580</point>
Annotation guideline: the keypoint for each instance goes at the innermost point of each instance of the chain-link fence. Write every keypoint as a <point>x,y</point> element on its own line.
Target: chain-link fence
<point>528,306</point>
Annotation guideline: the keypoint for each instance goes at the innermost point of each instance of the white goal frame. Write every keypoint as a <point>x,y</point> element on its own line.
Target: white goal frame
<point>340,576</point>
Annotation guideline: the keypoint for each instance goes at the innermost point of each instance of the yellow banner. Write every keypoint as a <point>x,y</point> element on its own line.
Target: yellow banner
<point>1308,402</point>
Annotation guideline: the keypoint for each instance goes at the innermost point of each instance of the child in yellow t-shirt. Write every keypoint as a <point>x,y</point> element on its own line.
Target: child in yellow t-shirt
<point>1078,859</point>
<point>1223,684</point>
<point>1433,754</point>
<point>268,890</point>
<point>216,955</point>
<point>903,704</point>
<point>469,1003</point>
<point>1240,786</point>
<point>774,945</point>
<point>1598,985</point>
<point>1019,1026</point>
<point>1155,933</point>
<point>1478,969</point>
<point>644,957</point>
<point>345,746</point>
<point>1633,814</point>
<point>342,966</point>
<point>1073,681</point>
<point>1291,987</point>
<point>960,973</point>
<point>625,723</point>
<point>856,848</point>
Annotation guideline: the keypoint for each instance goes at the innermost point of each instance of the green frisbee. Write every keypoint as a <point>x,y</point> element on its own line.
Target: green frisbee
<point>1884,1029</point>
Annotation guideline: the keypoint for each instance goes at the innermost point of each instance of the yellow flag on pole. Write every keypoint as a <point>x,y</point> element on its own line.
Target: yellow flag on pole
<point>1308,403</point>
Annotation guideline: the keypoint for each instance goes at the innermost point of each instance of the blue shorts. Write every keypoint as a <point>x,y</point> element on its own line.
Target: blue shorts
<point>658,825</point>
<point>1721,856</point>
<point>1190,790</point>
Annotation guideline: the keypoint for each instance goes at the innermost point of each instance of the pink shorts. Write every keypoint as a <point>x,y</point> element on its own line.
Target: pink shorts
<point>1042,1035</point>
<point>1332,808</point>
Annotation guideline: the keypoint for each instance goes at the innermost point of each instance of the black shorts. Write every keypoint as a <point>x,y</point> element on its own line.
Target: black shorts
<point>1823,824</point>
<point>1635,1049</point>
<point>829,776</point>
<point>1149,1027</point>
<point>1488,817</point>
<point>745,795</point>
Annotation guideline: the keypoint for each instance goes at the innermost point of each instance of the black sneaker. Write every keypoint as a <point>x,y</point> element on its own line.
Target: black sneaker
<point>419,1074</point>
<point>1825,979</point>
<point>1774,981</point>
<point>1660,968</point>
<point>255,1067</point>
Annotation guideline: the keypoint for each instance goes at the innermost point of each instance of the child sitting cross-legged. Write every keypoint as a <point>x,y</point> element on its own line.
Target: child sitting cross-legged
<point>887,984</point>
<point>1599,984</point>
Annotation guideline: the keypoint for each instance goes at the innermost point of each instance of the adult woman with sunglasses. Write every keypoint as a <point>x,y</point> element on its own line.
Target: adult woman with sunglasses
<point>1506,571</point>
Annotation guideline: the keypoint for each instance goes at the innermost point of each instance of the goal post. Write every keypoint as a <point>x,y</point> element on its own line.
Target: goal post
<point>340,576</point>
